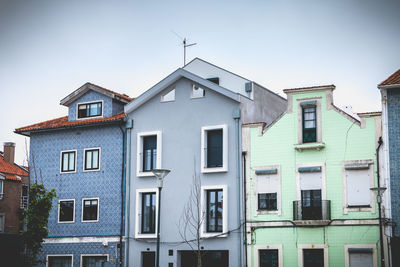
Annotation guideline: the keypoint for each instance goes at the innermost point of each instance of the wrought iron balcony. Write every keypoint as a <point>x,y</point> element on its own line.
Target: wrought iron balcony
<point>314,210</point>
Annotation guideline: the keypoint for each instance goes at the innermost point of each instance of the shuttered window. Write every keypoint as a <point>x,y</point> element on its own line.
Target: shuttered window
<point>358,187</point>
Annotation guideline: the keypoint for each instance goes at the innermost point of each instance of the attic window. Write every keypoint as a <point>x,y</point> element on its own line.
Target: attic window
<point>169,96</point>
<point>88,110</point>
<point>197,92</point>
<point>214,80</point>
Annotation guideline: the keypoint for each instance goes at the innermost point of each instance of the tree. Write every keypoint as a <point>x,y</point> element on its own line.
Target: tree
<point>36,219</point>
<point>192,218</point>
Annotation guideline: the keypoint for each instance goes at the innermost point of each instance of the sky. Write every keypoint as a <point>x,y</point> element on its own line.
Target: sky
<point>50,48</point>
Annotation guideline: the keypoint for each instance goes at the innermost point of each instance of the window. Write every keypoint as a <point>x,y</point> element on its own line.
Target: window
<point>214,153</point>
<point>309,124</point>
<point>268,189</point>
<point>1,189</point>
<point>68,161</point>
<point>313,258</point>
<point>66,210</point>
<point>214,210</point>
<point>214,205</point>
<point>210,258</point>
<point>94,260</point>
<point>169,96</point>
<point>148,153</point>
<point>148,259</point>
<point>2,222</point>
<point>197,92</point>
<point>214,80</point>
<point>88,110</point>
<point>360,255</point>
<point>24,196</point>
<point>90,210</point>
<point>359,179</point>
<point>146,213</point>
<point>59,260</point>
<point>92,159</point>
<point>268,258</point>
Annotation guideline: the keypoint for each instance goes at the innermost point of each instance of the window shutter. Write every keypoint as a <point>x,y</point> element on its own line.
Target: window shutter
<point>310,180</point>
<point>357,185</point>
<point>268,183</point>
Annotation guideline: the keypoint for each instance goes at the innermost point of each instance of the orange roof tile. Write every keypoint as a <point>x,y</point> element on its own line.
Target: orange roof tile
<point>63,122</point>
<point>392,80</point>
<point>115,93</point>
<point>11,170</point>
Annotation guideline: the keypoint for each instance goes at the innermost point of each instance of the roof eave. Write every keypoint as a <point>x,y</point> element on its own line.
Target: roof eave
<point>389,86</point>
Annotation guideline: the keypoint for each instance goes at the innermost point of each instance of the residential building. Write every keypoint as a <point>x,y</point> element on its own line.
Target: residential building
<point>81,157</point>
<point>308,181</point>
<point>390,93</point>
<point>190,123</point>
<point>14,184</point>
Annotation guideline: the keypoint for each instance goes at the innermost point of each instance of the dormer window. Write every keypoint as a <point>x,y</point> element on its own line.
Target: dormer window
<point>88,110</point>
<point>309,124</point>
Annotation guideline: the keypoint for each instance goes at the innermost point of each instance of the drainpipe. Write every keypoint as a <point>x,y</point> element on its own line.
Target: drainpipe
<point>236,117</point>
<point>128,126</point>
<point>121,257</point>
<point>244,208</point>
<point>379,204</point>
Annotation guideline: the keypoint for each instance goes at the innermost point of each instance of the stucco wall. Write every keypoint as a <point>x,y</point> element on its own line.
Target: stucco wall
<point>10,205</point>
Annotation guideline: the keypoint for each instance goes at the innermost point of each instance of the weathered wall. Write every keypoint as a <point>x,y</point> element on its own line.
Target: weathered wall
<point>10,205</point>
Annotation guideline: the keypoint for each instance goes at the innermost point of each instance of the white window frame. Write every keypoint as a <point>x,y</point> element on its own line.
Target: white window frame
<point>84,159</point>
<point>166,93</point>
<point>347,209</point>
<point>2,230</point>
<point>257,249</point>
<point>139,155</point>
<point>61,160</point>
<point>347,254</point>
<point>300,119</point>
<point>323,174</point>
<point>197,97</point>
<point>300,248</point>
<point>278,193</point>
<point>59,255</point>
<point>203,200</point>
<point>59,210</point>
<point>98,209</point>
<point>89,255</point>
<point>225,154</point>
<point>2,187</point>
<point>90,102</point>
<point>138,212</point>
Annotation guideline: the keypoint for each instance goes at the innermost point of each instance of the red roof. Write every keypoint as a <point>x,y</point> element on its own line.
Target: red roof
<point>392,80</point>
<point>10,171</point>
<point>63,122</point>
<point>115,93</point>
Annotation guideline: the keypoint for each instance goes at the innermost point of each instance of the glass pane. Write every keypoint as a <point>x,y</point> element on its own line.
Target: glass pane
<point>95,159</point>
<point>149,152</point>
<point>268,258</point>
<point>214,148</point>
<point>309,116</point>
<point>1,187</point>
<point>95,109</point>
<point>89,159</point>
<point>148,212</point>
<point>309,124</point>
<point>65,162</point>
<point>90,210</point>
<point>71,161</point>
<point>94,261</point>
<point>60,261</point>
<point>313,257</point>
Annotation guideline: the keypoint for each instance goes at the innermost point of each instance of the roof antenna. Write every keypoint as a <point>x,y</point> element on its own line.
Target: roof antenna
<point>185,44</point>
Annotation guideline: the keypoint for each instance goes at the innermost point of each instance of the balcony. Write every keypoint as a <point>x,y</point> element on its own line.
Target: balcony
<point>305,212</point>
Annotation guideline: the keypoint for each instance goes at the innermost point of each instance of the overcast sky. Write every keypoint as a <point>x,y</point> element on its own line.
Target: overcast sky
<point>50,48</point>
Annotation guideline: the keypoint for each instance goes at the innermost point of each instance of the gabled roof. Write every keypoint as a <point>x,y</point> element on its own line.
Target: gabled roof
<point>62,123</point>
<point>11,171</point>
<point>90,86</point>
<point>170,79</point>
<point>392,81</point>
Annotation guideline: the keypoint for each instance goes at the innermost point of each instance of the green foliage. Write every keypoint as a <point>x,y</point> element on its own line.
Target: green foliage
<point>36,219</point>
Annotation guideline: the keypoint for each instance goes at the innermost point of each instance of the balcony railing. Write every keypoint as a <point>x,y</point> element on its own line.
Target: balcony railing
<point>315,210</point>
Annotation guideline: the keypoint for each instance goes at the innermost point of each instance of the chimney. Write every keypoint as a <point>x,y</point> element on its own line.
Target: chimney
<point>9,152</point>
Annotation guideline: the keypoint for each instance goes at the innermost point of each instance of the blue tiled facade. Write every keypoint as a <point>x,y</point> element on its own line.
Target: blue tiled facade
<point>80,237</point>
<point>393,98</point>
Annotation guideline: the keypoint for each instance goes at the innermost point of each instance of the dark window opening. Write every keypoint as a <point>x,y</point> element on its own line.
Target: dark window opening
<point>267,201</point>
<point>209,258</point>
<point>66,211</point>
<point>90,210</point>
<point>214,210</point>
<point>311,204</point>
<point>93,261</point>
<point>309,124</point>
<point>68,161</point>
<point>89,110</point>
<point>92,158</point>
<point>149,153</point>
<point>55,261</point>
<point>148,259</point>
<point>148,212</point>
<point>214,80</point>
<point>268,258</point>
<point>214,148</point>
<point>313,257</point>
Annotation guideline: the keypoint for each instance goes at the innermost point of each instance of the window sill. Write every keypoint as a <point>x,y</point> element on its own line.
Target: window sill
<point>213,234</point>
<point>305,146</point>
<point>91,170</point>
<point>212,170</point>
<point>357,209</point>
<point>267,212</point>
<point>145,174</point>
<point>311,222</point>
<point>145,236</point>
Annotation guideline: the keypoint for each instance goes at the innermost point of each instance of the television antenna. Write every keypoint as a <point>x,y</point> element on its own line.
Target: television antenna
<point>185,45</point>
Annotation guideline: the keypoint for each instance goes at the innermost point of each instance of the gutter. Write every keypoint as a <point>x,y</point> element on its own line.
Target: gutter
<point>128,126</point>
<point>121,258</point>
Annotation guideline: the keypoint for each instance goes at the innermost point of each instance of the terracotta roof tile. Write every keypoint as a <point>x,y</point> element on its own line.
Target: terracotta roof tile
<point>11,170</point>
<point>392,80</point>
<point>63,122</point>
<point>115,93</point>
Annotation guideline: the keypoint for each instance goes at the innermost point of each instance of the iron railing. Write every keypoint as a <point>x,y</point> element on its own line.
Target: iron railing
<point>315,210</point>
